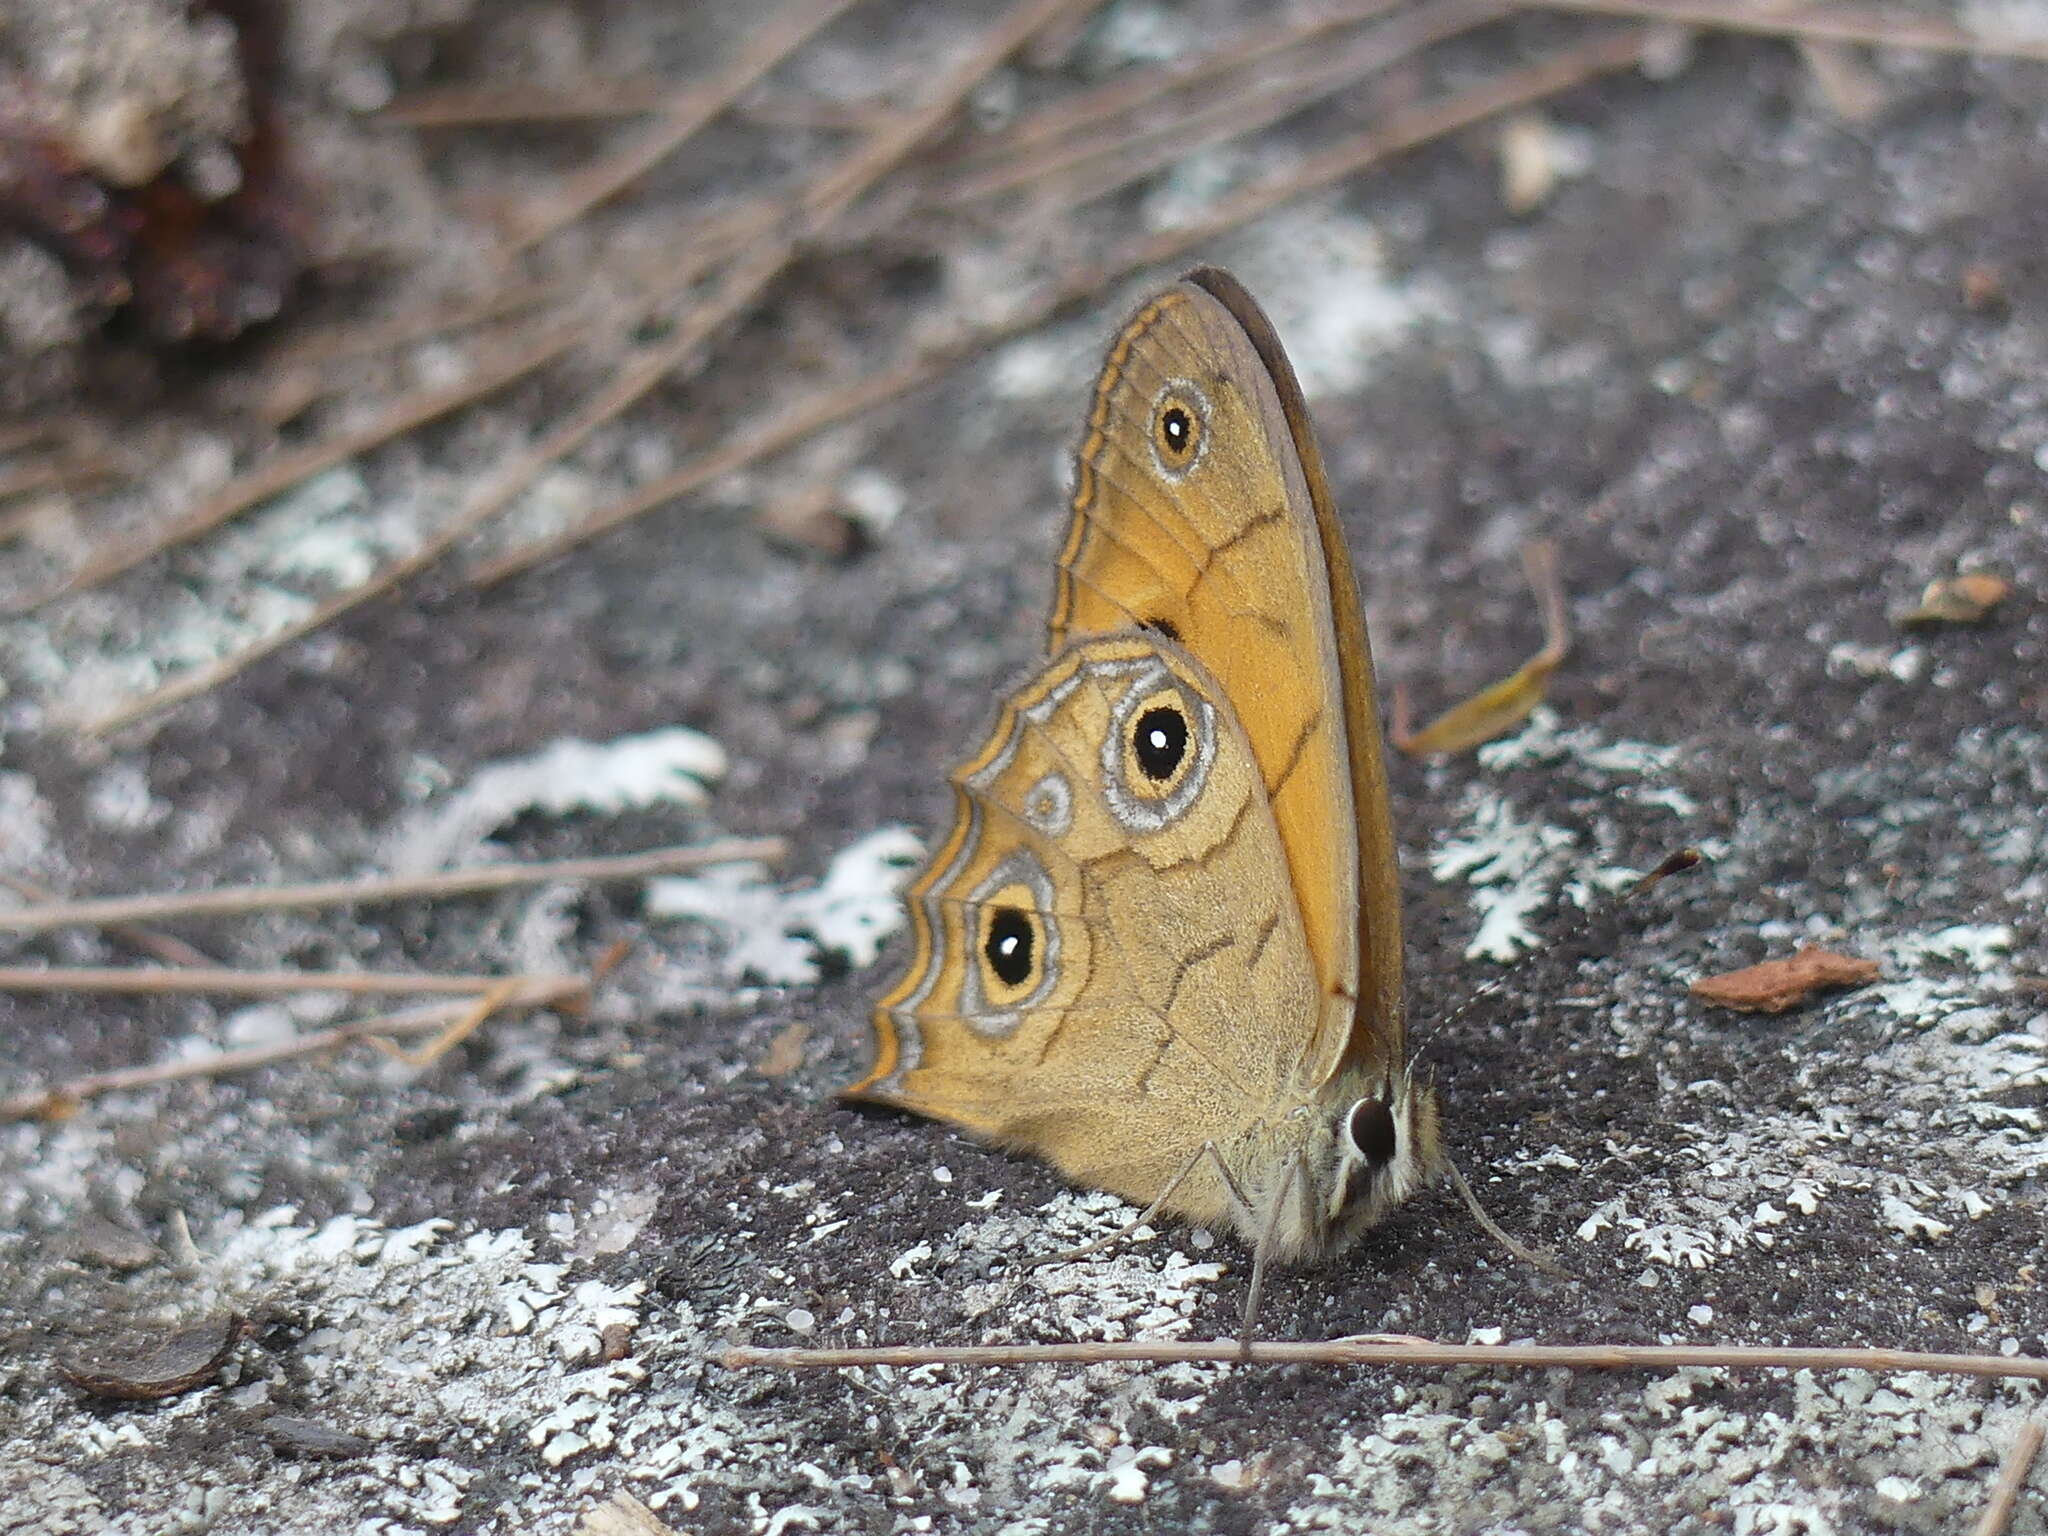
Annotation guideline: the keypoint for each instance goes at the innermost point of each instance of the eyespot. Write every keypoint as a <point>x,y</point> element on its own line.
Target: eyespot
<point>1049,806</point>
<point>1371,1129</point>
<point>1180,428</point>
<point>1164,627</point>
<point>1157,743</point>
<point>1157,755</point>
<point>1160,742</point>
<point>1011,947</point>
<point>1012,944</point>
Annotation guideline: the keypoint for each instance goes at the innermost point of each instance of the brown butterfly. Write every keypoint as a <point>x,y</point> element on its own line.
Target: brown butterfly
<point>1161,947</point>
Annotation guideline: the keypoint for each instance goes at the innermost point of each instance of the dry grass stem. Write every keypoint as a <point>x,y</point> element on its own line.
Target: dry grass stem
<point>162,946</point>
<point>826,409</point>
<point>53,475</point>
<point>232,901</point>
<point>831,406</point>
<point>288,469</point>
<point>470,106</point>
<point>222,981</point>
<point>1133,90</point>
<point>434,1017</point>
<point>299,372</point>
<point>1399,1350</point>
<point>1840,24</point>
<point>2012,1479</point>
<point>1499,708</point>
<point>687,111</point>
<point>1120,154</point>
<point>458,1029</point>
<point>827,197</point>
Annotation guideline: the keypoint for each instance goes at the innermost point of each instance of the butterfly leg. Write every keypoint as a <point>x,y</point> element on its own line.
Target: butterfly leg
<point>1206,1150</point>
<point>1293,1185</point>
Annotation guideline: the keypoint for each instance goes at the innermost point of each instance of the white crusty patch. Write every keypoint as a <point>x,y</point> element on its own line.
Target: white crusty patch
<point>775,936</point>
<point>674,766</point>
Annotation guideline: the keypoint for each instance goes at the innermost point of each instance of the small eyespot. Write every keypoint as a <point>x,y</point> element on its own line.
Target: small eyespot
<point>1011,946</point>
<point>1164,627</point>
<point>1158,749</point>
<point>1160,742</point>
<point>1180,422</point>
<point>1371,1129</point>
<point>1176,434</point>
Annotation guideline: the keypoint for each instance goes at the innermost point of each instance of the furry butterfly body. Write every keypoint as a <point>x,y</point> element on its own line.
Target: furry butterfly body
<point>1161,946</point>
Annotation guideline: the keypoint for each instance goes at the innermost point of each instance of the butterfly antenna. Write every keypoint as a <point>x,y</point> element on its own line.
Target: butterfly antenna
<point>1674,864</point>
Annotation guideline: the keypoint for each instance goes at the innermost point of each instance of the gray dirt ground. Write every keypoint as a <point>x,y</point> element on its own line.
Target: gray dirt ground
<point>1729,367</point>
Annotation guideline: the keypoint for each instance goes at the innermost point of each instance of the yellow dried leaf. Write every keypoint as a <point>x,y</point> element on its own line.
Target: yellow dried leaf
<point>1963,599</point>
<point>1498,709</point>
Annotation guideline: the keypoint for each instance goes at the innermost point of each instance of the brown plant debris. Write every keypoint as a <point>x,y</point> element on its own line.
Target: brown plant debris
<point>163,1366</point>
<point>1776,985</point>
<point>1965,599</point>
<point>1496,710</point>
<point>309,1438</point>
<point>622,1515</point>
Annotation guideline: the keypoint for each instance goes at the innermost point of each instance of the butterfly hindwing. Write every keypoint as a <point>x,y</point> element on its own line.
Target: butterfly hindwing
<point>1108,948</point>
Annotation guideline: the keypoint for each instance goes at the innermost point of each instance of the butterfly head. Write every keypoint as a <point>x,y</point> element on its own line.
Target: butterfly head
<point>1384,1147</point>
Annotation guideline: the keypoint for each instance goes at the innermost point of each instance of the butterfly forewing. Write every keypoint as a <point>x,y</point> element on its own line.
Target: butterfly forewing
<point>1199,512</point>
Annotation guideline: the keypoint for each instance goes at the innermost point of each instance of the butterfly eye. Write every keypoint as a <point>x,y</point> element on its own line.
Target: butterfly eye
<point>1179,427</point>
<point>1371,1129</point>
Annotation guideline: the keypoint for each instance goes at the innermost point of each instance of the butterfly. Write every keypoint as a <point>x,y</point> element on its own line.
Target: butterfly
<point>1161,946</point>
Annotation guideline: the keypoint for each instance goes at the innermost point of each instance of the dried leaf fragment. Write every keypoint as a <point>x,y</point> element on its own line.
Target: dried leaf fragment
<point>309,1437</point>
<point>785,1052</point>
<point>1964,599</point>
<point>186,1358</point>
<point>622,1515</point>
<point>1777,985</point>
<point>1499,709</point>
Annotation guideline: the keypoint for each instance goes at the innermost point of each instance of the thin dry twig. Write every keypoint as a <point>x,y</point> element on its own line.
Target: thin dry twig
<point>1117,154</point>
<point>1400,1350</point>
<point>687,111</point>
<point>54,474</point>
<point>829,407</point>
<point>302,372</point>
<point>2012,1478</point>
<point>459,1029</point>
<point>806,419</point>
<point>45,1103</point>
<point>1133,90</point>
<point>233,901</point>
<point>1840,24</point>
<point>288,469</point>
<point>823,201</point>
<point>165,947</point>
<point>469,106</point>
<point>223,981</point>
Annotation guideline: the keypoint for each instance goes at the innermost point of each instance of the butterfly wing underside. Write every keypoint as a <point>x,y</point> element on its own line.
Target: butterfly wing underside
<point>1108,949</point>
<point>1202,511</point>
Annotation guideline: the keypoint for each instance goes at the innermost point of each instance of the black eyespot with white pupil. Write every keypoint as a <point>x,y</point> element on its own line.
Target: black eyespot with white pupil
<point>1160,742</point>
<point>1176,434</point>
<point>1372,1132</point>
<point>1010,947</point>
<point>1180,417</point>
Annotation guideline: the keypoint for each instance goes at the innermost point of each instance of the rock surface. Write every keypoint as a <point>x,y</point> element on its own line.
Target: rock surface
<point>1741,366</point>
